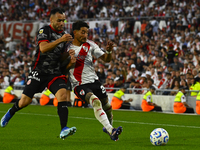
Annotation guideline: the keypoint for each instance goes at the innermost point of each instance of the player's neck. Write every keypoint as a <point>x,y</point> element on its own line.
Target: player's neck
<point>76,42</point>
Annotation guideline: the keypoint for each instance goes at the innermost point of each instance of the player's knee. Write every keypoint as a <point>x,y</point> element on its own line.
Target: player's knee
<point>95,101</point>
<point>62,97</point>
<point>88,96</point>
<point>23,102</point>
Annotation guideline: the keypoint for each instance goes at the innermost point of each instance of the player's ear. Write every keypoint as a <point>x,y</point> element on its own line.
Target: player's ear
<point>51,18</point>
<point>74,32</point>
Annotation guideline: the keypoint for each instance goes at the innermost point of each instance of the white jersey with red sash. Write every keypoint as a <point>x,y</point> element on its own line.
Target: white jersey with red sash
<point>83,71</point>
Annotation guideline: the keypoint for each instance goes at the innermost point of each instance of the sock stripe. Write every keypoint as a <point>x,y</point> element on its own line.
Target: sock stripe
<point>94,99</point>
<point>102,114</point>
<point>108,108</point>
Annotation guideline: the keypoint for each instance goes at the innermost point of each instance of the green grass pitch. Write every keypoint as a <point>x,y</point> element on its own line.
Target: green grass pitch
<point>37,128</point>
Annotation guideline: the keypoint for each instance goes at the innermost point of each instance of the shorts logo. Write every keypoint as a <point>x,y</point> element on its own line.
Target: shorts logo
<point>41,31</point>
<point>28,82</point>
<point>34,75</point>
<point>82,92</point>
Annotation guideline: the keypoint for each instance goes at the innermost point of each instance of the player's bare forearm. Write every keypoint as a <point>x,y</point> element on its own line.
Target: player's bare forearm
<point>70,65</point>
<point>108,55</point>
<point>45,46</point>
<point>72,62</point>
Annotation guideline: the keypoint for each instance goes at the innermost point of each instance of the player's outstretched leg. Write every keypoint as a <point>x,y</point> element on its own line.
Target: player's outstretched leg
<point>5,119</point>
<point>24,101</point>
<point>108,110</point>
<point>66,131</point>
<point>99,112</point>
<point>63,115</point>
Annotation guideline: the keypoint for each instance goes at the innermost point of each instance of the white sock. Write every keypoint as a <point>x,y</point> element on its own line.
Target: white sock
<point>108,109</point>
<point>100,113</point>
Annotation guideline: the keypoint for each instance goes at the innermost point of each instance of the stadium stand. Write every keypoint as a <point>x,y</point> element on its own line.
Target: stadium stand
<point>173,31</point>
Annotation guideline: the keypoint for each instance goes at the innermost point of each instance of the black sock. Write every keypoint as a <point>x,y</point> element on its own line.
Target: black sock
<point>15,108</point>
<point>63,113</point>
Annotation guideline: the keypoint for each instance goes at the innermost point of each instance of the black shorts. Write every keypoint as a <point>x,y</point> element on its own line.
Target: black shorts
<point>96,88</point>
<point>36,83</point>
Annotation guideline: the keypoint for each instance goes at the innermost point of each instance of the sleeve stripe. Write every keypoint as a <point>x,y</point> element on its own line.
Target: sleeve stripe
<point>43,41</point>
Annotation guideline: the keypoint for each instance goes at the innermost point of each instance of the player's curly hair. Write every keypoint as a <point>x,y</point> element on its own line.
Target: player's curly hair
<point>77,25</point>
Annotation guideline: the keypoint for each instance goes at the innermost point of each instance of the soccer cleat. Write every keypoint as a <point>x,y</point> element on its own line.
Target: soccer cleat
<point>104,130</point>
<point>5,118</point>
<point>116,133</point>
<point>66,131</point>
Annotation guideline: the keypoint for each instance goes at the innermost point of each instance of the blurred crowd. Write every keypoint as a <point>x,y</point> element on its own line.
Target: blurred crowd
<point>167,58</point>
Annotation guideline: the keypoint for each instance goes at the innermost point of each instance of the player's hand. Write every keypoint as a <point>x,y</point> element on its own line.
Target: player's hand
<point>73,58</point>
<point>71,52</point>
<point>130,99</point>
<point>66,38</point>
<point>109,46</point>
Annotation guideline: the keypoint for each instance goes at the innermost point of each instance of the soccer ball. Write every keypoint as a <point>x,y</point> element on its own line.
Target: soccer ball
<point>159,136</point>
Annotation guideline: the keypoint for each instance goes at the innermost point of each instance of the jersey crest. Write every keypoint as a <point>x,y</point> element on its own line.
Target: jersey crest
<point>86,48</point>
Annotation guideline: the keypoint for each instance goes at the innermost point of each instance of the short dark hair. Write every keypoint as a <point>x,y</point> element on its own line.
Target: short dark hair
<point>152,87</point>
<point>77,25</point>
<point>57,10</point>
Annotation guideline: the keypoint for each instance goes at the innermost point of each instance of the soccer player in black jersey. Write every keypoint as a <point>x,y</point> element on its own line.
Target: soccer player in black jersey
<point>46,70</point>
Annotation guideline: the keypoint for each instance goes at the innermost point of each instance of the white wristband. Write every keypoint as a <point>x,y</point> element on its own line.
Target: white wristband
<point>109,52</point>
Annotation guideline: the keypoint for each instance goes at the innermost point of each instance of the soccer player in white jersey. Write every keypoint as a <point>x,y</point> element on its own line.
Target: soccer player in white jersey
<point>84,79</point>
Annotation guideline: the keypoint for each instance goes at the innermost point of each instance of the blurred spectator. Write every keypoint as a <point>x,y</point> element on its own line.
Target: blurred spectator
<point>180,105</point>
<point>148,29</point>
<point>133,73</point>
<point>135,89</point>
<point>147,102</point>
<point>143,26</point>
<point>167,83</point>
<point>177,65</point>
<point>119,101</point>
<point>160,81</point>
<point>9,95</point>
<point>175,86</point>
<point>155,25</point>
<point>111,32</point>
<point>97,29</point>
<point>140,64</point>
<point>198,104</point>
<point>117,83</point>
<point>101,74</point>
<point>110,85</point>
<point>46,98</point>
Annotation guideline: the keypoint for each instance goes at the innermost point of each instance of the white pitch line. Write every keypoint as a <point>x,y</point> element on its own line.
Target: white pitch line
<point>130,122</point>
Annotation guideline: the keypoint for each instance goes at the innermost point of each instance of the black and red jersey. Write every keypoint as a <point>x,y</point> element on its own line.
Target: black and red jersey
<point>48,62</point>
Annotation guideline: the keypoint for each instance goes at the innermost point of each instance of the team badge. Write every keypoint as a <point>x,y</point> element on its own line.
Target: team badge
<point>85,48</point>
<point>28,82</point>
<point>82,92</point>
<point>41,31</point>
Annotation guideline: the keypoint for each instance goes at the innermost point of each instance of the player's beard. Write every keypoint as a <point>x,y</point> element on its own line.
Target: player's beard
<point>82,40</point>
<point>58,28</point>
